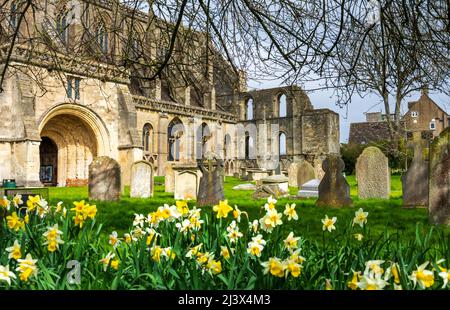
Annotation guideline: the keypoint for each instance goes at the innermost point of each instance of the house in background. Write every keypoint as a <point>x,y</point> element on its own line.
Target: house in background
<point>424,116</point>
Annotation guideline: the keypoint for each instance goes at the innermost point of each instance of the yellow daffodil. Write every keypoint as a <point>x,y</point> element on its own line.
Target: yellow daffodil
<point>237,213</point>
<point>274,266</point>
<point>182,207</point>
<point>169,253</point>
<point>79,206</point>
<point>14,222</point>
<point>360,217</point>
<point>424,277</point>
<point>290,212</point>
<point>353,284</point>
<point>156,252</point>
<point>358,237</point>
<point>293,268</point>
<point>5,203</point>
<point>90,211</point>
<point>27,267</point>
<point>328,286</point>
<point>222,209</point>
<point>6,275</point>
<point>393,271</point>
<point>224,252</point>
<point>328,223</point>
<point>33,202</point>
<point>214,266</point>
<point>115,264</point>
<point>14,251</point>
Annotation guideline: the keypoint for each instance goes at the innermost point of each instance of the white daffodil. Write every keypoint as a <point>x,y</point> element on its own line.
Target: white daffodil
<point>424,277</point>
<point>290,212</point>
<point>445,275</point>
<point>374,267</point>
<point>360,217</point>
<point>113,239</point>
<point>291,242</point>
<point>328,223</point>
<point>184,226</point>
<point>14,251</point>
<point>6,275</point>
<point>271,220</point>
<point>371,282</point>
<point>139,220</point>
<point>255,248</point>
<point>254,226</point>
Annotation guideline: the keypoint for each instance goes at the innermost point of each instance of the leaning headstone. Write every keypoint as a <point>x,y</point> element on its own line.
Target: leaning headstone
<point>104,179</point>
<point>334,190</point>
<point>305,173</point>
<point>439,182</point>
<point>210,191</point>
<point>274,185</point>
<point>264,192</point>
<point>169,178</point>
<point>374,178</point>
<point>309,189</point>
<point>415,181</point>
<point>141,180</point>
<point>293,174</point>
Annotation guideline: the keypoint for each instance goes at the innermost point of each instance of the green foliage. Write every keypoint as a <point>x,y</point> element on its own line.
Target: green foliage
<point>392,234</point>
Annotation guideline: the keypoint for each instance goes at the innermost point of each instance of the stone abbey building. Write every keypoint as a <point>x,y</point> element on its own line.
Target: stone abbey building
<point>79,83</point>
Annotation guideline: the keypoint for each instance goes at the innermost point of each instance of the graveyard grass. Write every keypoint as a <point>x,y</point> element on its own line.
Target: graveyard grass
<point>385,216</point>
<point>399,248</point>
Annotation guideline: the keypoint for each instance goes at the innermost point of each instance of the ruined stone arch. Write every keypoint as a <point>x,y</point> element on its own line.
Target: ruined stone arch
<point>249,108</point>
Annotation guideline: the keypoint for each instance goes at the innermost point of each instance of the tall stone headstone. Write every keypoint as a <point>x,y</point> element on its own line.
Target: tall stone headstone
<point>305,173</point>
<point>293,174</point>
<point>104,179</point>
<point>415,181</point>
<point>169,178</point>
<point>334,190</point>
<point>210,190</point>
<point>141,179</point>
<point>439,182</point>
<point>374,178</point>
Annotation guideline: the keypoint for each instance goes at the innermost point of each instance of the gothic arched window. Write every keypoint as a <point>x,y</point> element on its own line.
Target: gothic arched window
<point>282,106</point>
<point>147,137</point>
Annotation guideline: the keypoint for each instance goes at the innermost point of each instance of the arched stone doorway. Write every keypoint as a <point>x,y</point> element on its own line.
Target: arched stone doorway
<point>76,148</point>
<point>79,137</point>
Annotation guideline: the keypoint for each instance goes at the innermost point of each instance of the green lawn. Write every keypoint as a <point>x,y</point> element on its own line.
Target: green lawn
<point>384,215</point>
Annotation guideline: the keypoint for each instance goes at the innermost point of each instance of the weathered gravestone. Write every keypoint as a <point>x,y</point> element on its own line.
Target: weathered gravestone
<point>141,180</point>
<point>210,190</point>
<point>293,174</point>
<point>439,182</point>
<point>334,190</point>
<point>415,181</point>
<point>186,181</point>
<point>309,189</point>
<point>104,179</point>
<point>374,178</point>
<point>305,173</point>
<point>274,185</point>
<point>169,178</point>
